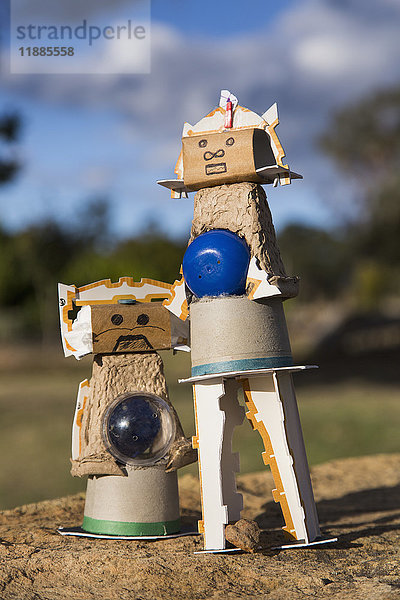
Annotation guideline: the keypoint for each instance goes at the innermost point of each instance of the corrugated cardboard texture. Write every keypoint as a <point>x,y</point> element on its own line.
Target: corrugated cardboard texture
<point>243,209</point>
<point>140,327</point>
<point>235,328</point>
<point>113,375</point>
<point>144,496</point>
<point>231,156</point>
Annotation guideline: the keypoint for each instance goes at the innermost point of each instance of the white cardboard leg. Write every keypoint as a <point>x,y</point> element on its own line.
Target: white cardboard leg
<point>273,412</point>
<point>286,392</point>
<point>234,415</point>
<point>217,414</point>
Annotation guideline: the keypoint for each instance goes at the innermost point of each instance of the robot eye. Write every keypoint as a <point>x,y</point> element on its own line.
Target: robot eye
<point>203,143</point>
<point>117,319</point>
<point>142,319</point>
<point>230,141</point>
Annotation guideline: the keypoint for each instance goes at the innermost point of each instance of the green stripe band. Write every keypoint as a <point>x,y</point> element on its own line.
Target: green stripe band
<point>246,364</point>
<point>128,528</point>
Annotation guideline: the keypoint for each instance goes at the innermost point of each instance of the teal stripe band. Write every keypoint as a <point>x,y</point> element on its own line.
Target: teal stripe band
<point>127,528</point>
<point>247,364</point>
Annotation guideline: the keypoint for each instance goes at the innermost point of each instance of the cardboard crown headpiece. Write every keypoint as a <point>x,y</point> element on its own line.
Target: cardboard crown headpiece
<point>105,317</point>
<point>231,144</point>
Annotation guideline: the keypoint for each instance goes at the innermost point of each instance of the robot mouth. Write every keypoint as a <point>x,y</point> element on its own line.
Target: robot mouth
<point>132,343</point>
<point>215,169</point>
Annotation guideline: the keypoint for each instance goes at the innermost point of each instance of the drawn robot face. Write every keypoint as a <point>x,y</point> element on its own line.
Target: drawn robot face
<point>228,157</point>
<point>210,156</point>
<point>141,327</point>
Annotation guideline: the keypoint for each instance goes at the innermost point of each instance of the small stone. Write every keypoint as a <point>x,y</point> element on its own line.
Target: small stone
<point>244,534</point>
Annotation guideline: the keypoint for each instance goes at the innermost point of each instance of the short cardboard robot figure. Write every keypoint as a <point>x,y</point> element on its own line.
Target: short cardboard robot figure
<point>127,437</point>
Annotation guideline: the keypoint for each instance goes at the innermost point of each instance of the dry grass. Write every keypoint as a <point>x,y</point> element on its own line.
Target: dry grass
<point>37,399</point>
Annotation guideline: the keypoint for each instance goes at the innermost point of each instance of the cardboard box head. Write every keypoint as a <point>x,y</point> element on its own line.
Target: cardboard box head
<point>230,156</point>
<point>231,144</point>
<point>141,327</point>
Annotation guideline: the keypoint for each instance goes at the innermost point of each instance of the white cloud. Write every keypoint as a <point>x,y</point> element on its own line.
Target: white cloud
<point>319,56</point>
<point>342,49</point>
<point>316,46</point>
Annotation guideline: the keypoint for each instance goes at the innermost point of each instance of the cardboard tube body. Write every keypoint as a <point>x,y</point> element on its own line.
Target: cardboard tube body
<point>233,333</point>
<point>146,502</point>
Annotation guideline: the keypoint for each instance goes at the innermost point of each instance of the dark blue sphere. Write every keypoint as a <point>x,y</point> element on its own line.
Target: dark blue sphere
<point>132,426</point>
<point>216,264</point>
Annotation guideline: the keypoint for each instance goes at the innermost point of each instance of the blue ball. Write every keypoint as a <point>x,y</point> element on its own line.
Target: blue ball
<point>216,264</point>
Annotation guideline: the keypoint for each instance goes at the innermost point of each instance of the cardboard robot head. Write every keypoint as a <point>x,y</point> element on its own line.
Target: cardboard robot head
<point>231,144</point>
<point>227,157</point>
<point>141,327</point>
<point>122,317</point>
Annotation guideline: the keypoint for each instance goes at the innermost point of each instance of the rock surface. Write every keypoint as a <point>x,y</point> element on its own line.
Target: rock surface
<point>358,501</point>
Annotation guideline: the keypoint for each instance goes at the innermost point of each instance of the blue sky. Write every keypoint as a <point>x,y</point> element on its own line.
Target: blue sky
<point>114,136</point>
<point>222,19</point>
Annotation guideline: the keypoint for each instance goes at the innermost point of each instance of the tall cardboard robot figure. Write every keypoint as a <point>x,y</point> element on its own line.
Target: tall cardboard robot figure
<point>126,435</point>
<point>233,286</point>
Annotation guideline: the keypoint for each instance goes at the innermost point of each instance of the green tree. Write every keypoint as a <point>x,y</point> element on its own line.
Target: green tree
<point>318,257</point>
<point>10,126</point>
<point>364,142</point>
<point>152,255</point>
<point>35,259</point>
